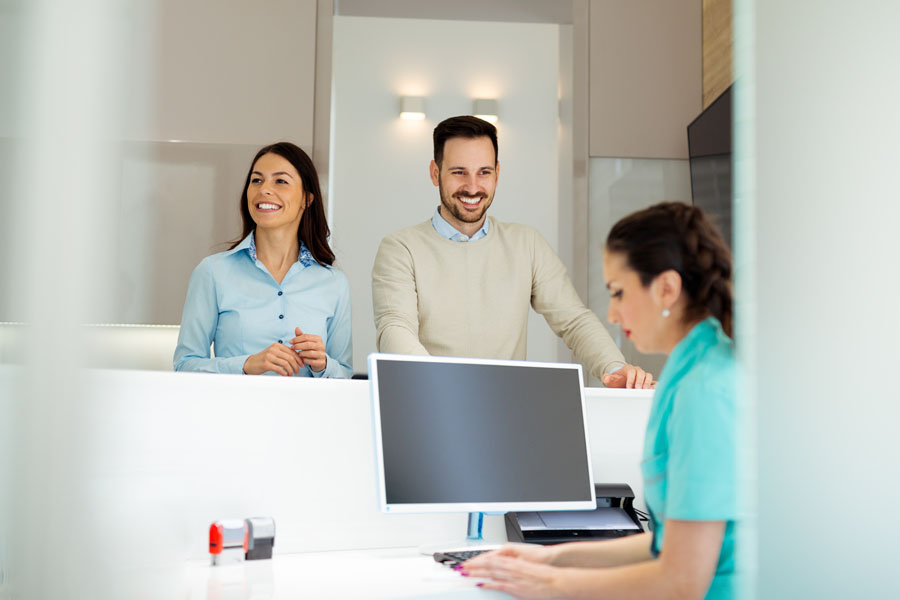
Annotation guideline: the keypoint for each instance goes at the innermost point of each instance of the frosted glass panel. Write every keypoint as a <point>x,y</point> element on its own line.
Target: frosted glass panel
<point>9,166</point>
<point>619,186</point>
<point>177,203</point>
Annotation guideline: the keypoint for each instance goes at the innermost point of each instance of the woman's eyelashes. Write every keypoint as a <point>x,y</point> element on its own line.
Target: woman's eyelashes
<point>615,294</point>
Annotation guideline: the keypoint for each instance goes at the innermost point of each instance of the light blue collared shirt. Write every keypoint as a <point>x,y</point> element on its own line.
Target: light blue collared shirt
<point>448,231</point>
<point>233,302</point>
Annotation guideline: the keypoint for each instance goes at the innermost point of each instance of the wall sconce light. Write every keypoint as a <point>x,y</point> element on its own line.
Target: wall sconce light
<point>412,108</point>
<point>486,108</point>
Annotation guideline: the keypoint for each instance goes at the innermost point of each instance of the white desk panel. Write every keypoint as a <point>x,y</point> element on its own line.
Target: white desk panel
<point>171,452</point>
<point>617,420</point>
<point>192,448</point>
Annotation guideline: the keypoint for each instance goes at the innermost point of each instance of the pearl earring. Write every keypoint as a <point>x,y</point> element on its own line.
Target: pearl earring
<point>666,313</point>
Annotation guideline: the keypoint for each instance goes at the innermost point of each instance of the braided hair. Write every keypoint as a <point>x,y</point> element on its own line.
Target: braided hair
<point>678,236</point>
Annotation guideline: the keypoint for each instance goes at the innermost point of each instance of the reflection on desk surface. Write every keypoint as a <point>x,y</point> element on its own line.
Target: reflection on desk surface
<point>358,574</point>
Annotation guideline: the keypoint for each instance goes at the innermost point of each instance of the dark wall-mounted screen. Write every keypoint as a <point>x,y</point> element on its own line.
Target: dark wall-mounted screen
<point>709,144</point>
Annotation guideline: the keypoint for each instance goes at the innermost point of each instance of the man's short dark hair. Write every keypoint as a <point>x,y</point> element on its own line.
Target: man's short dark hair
<point>465,126</point>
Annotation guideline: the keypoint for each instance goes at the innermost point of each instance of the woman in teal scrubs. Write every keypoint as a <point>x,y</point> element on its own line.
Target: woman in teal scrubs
<point>668,273</point>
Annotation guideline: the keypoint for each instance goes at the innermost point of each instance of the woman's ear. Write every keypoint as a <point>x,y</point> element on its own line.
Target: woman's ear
<point>667,288</point>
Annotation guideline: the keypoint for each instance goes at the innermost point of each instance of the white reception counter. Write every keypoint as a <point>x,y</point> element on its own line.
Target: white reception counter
<point>171,452</point>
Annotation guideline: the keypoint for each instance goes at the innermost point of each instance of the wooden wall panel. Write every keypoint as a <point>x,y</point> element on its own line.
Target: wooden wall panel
<point>717,48</point>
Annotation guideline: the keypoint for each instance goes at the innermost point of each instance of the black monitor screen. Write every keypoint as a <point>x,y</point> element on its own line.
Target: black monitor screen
<point>475,432</point>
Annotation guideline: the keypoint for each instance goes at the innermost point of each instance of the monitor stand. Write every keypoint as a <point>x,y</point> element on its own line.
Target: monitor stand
<point>474,540</point>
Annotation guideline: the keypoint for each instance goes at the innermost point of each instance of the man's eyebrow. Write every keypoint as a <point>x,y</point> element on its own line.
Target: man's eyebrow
<point>461,168</point>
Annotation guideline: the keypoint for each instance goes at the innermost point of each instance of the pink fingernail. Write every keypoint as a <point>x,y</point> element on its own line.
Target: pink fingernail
<point>457,567</point>
<point>479,584</point>
<point>464,573</point>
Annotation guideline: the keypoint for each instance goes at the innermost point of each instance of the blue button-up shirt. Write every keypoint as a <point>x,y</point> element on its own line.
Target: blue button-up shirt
<point>448,231</point>
<point>234,303</point>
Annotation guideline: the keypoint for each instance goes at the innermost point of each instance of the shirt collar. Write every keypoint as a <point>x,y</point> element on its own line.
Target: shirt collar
<point>244,244</point>
<point>305,257</point>
<point>706,333</point>
<point>699,333</point>
<point>446,230</point>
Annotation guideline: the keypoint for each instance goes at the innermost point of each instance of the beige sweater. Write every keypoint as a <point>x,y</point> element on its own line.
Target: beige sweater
<point>435,296</point>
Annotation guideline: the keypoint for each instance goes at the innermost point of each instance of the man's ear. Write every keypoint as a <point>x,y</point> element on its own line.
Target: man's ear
<point>435,172</point>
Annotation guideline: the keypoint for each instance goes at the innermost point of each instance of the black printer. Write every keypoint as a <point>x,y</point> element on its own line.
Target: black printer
<point>614,517</point>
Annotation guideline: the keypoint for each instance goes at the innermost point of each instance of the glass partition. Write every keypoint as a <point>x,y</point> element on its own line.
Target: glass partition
<point>619,186</point>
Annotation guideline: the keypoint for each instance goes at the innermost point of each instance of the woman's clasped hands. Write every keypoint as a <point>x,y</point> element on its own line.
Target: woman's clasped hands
<point>305,349</point>
<point>311,350</point>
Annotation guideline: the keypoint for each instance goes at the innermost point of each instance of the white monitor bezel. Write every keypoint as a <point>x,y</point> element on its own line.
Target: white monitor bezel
<point>485,507</point>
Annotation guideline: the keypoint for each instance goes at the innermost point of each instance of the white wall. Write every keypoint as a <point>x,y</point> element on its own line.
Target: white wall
<point>646,76</point>
<point>380,179</point>
<point>225,77</point>
<point>224,72</point>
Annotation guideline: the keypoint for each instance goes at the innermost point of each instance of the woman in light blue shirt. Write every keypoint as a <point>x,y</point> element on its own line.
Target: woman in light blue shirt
<point>668,273</point>
<point>273,303</point>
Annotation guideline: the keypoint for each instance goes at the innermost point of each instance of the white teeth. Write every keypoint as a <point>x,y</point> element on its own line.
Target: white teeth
<point>465,200</point>
<point>266,206</point>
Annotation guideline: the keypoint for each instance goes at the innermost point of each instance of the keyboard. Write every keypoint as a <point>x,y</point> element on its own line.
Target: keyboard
<point>451,559</point>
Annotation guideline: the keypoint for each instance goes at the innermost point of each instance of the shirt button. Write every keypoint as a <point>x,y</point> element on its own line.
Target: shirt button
<point>280,316</point>
<point>280,293</point>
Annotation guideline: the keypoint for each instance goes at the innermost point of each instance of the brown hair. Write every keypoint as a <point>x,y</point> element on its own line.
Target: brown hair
<point>313,230</point>
<point>465,127</point>
<point>680,237</point>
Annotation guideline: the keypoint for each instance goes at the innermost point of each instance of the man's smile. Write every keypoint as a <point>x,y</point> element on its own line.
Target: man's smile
<point>470,201</point>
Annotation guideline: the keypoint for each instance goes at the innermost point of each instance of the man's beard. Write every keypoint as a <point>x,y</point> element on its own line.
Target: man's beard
<point>457,211</point>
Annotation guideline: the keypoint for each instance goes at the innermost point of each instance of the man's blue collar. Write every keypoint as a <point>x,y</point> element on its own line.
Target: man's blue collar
<point>446,230</point>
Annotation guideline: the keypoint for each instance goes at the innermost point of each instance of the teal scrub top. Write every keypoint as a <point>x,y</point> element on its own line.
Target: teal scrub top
<point>690,455</point>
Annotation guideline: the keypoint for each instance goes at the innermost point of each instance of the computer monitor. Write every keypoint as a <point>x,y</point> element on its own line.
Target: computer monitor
<point>475,435</point>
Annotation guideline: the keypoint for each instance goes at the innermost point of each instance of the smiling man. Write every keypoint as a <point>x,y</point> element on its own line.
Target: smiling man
<point>462,283</point>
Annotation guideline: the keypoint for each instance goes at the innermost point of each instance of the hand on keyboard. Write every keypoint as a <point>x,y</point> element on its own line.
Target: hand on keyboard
<point>453,558</point>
